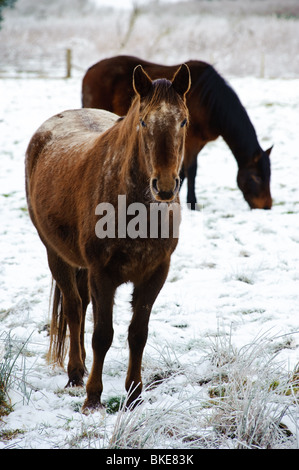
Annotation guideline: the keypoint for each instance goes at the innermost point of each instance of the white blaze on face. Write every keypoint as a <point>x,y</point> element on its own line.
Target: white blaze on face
<point>163,117</point>
<point>163,135</point>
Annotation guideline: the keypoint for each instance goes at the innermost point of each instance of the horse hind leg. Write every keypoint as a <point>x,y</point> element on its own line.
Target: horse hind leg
<point>67,312</point>
<point>83,288</point>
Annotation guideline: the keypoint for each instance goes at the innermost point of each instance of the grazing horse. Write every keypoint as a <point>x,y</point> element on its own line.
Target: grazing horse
<point>215,110</point>
<point>79,164</point>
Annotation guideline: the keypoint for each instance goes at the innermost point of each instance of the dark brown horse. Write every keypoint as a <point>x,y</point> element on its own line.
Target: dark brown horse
<point>78,165</point>
<point>215,110</point>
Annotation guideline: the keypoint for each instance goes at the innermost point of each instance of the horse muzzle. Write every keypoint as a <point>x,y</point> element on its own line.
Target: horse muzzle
<point>261,203</point>
<point>165,192</point>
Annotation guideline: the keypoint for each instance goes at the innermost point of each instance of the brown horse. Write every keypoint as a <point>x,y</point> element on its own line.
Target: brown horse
<point>215,110</point>
<point>78,165</point>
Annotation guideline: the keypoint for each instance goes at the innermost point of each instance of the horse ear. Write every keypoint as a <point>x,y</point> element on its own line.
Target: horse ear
<point>142,83</point>
<point>268,151</point>
<point>181,81</point>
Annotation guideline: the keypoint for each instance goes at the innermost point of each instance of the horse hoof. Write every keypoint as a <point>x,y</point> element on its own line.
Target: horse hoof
<point>132,404</point>
<point>75,382</point>
<point>72,383</point>
<point>90,406</point>
<point>194,206</point>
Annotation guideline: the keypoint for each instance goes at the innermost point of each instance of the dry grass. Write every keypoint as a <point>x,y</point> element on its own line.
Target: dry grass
<point>245,402</point>
<point>233,35</point>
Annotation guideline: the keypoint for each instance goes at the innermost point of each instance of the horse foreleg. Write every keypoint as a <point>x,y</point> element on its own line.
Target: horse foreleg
<point>191,175</point>
<point>144,296</point>
<point>102,294</point>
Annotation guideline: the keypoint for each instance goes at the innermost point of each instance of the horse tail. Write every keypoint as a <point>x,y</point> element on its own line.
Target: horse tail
<point>58,346</point>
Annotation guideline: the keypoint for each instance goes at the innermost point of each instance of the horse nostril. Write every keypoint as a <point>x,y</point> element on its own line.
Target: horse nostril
<point>155,185</point>
<point>177,184</point>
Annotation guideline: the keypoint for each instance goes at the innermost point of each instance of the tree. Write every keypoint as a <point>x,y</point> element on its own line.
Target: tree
<point>3,4</point>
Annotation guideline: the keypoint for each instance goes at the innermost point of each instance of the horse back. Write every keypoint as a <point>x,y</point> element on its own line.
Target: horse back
<point>108,83</point>
<point>81,125</point>
<point>86,123</point>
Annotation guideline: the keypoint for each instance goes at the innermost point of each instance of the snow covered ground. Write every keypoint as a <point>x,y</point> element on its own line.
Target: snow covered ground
<point>233,282</point>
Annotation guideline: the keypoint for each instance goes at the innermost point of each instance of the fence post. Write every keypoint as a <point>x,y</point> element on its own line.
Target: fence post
<point>68,63</point>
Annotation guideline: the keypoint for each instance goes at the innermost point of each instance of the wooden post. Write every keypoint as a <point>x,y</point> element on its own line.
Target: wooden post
<point>68,63</point>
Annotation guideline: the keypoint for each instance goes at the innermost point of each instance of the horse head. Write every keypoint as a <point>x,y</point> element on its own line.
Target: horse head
<point>254,181</point>
<point>163,119</point>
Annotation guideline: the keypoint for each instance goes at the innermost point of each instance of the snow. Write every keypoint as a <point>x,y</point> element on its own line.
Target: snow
<point>234,272</point>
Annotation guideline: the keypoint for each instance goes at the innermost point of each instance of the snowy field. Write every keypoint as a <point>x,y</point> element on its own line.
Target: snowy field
<point>225,327</point>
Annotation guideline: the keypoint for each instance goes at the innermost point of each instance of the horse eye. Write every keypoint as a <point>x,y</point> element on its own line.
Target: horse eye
<point>256,179</point>
<point>142,123</point>
<point>184,122</point>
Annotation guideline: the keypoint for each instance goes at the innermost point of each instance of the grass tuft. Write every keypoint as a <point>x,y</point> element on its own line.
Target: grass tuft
<point>10,351</point>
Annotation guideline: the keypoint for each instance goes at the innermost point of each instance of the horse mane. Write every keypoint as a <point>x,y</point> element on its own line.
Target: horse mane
<point>161,90</point>
<point>225,111</point>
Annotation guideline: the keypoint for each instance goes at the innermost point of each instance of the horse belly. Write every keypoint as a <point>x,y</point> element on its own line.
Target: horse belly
<point>59,235</point>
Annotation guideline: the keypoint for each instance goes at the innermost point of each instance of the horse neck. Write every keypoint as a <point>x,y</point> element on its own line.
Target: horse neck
<point>240,136</point>
<point>227,116</point>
